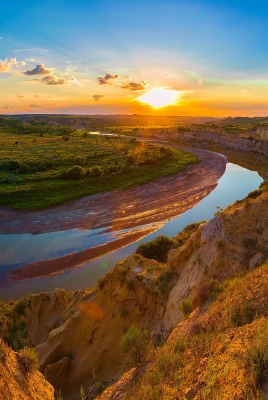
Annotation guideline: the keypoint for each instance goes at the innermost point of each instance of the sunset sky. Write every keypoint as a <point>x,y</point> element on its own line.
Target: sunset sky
<point>106,57</point>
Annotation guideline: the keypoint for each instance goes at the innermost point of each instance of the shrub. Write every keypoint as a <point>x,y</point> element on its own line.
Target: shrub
<point>123,312</point>
<point>209,289</point>
<point>241,314</point>
<point>24,168</point>
<point>13,327</point>
<point>157,249</point>
<point>75,172</point>
<point>165,278</point>
<point>220,243</point>
<point>136,343</point>
<point>80,160</point>
<point>254,194</point>
<point>101,282</point>
<point>186,307</point>
<point>257,356</point>
<point>21,305</point>
<point>180,344</point>
<point>96,171</point>
<point>58,395</point>
<point>28,360</point>
<point>249,242</point>
<point>130,283</point>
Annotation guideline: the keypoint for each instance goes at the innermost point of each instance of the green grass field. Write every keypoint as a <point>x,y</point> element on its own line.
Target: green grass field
<point>37,170</point>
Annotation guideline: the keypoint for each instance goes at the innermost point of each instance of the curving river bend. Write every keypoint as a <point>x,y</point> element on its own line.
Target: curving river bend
<point>18,249</point>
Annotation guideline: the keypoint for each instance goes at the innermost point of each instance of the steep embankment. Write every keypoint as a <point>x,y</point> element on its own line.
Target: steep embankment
<point>78,338</point>
<point>232,142</point>
<point>18,381</point>
<point>219,351</point>
<point>233,241</point>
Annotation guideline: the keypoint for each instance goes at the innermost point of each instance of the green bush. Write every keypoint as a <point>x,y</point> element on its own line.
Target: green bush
<point>80,160</point>
<point>24,168</point>
<point>186,307</point>
<point>165,278</point>
<point>241,314</point>
<point>21,305</point>
<point>136,343</point>
<point>13,327</point>
<point>28,359</point>
<point>156,249</point>
<point>257,356</point>
<point>96,171</point>
<point>73,173</point>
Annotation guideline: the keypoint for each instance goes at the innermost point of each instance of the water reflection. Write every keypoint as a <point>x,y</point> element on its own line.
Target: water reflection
<point>235,184</point>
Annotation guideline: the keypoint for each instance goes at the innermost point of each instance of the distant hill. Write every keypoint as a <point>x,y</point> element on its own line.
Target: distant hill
<point>102,121</point>
<point>242,121</point>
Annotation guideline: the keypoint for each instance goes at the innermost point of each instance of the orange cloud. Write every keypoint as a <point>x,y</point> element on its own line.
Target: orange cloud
<point>6,65</point>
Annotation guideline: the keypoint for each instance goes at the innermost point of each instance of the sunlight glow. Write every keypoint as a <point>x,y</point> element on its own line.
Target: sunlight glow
<point>160,97</point>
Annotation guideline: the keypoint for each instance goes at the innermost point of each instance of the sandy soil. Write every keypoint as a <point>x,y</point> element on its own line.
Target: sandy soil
<point>74,260</point>
<point>149,203</point>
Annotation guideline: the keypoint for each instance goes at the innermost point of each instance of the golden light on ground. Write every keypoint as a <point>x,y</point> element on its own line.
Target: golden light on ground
<point>160,97</point>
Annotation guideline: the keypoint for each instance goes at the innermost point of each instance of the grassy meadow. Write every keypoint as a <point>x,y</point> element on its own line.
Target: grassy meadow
<point>39,170</point>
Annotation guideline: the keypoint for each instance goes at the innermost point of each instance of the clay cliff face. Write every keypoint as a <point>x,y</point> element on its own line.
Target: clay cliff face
<point>233,241</point>
<point>78,339</point>
<point>16,383</point>
<point>234,143</point>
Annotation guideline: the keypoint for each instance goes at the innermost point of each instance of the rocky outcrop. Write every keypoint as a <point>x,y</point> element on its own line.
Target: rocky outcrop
<point>84,348</point>
<point>262,133</point>
<point>245,144</point>
<point>218,352</point>
<point>16,383</point>
<point>47,310</point>
<point>233,241</point>
<point>118,390</point>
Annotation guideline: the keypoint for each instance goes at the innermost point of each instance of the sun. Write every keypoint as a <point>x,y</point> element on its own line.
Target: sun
<point>160,97</point>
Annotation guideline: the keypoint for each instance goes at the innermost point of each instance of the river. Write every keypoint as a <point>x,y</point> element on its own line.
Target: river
<point>18,249</point>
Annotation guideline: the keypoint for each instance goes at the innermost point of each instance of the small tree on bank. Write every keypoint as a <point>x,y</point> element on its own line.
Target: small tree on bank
<point>135,342</point>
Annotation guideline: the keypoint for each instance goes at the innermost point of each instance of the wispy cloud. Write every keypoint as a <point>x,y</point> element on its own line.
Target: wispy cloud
<point>35,106</point>
<point>31,49</point>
